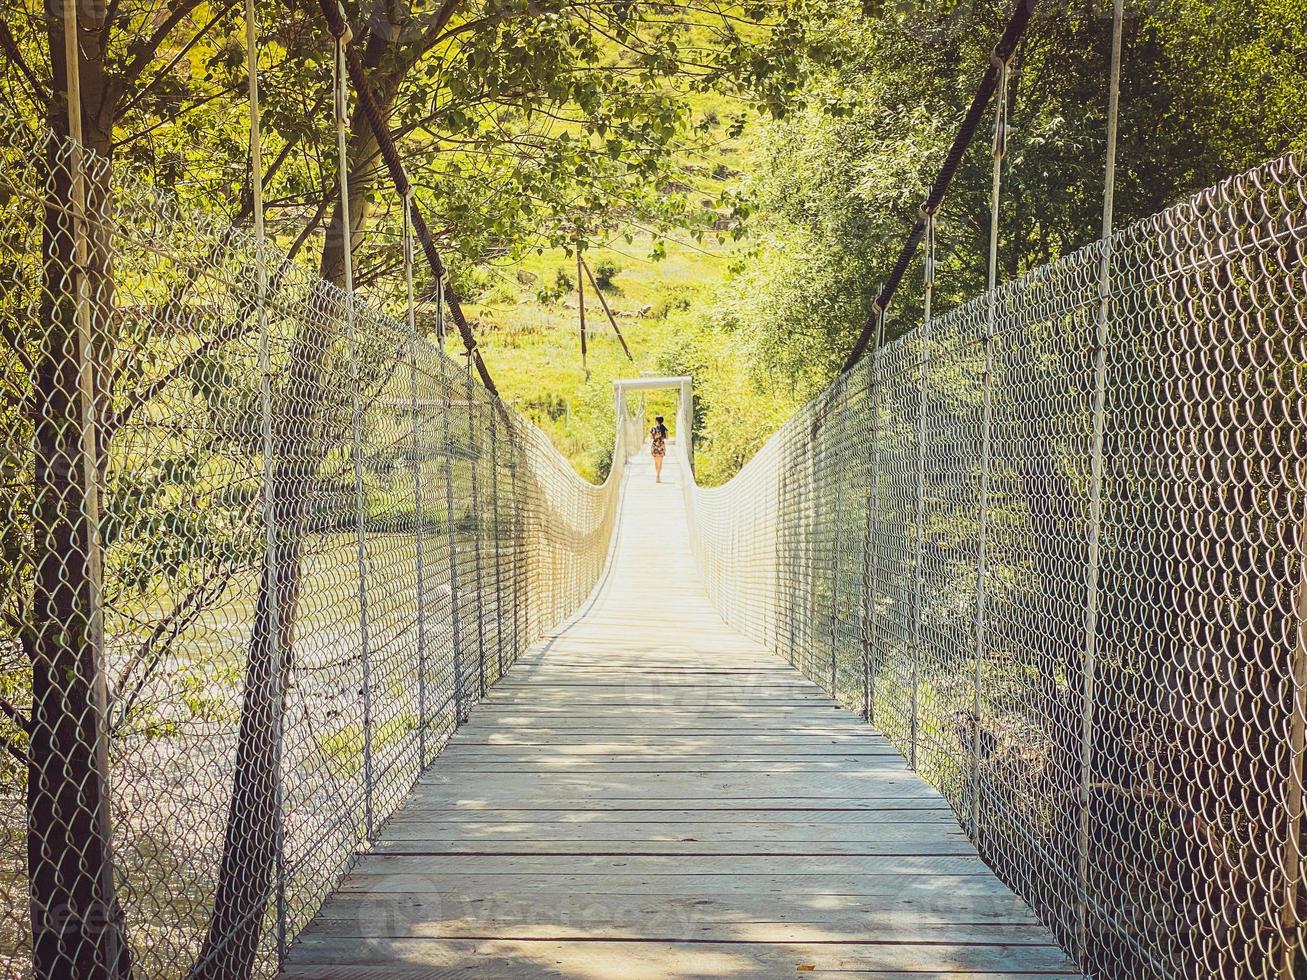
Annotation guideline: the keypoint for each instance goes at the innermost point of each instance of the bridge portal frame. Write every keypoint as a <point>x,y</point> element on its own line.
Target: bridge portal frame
<point>684,385</point>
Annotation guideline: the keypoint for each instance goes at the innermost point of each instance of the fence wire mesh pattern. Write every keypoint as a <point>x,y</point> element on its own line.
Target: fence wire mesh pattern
<point>920,541</point>
<point>243,608</point>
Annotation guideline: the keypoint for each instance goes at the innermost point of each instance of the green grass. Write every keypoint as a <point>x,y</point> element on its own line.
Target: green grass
<point>533,349</point>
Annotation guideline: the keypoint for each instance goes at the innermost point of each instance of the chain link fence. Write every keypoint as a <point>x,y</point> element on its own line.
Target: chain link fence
<point>1114,708</point>
<point>262,550</point>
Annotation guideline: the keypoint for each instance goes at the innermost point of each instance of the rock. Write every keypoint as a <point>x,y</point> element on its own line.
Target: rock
<point>526,278</point>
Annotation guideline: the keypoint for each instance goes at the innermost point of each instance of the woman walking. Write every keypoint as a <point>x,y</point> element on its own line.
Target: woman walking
<point>658,446</point>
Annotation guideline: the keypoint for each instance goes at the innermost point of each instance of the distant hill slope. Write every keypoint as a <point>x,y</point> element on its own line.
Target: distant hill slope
<point>528,322</point>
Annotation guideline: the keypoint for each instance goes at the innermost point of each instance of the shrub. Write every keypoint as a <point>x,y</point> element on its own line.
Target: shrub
<point>563,284</point>
<point>502,295</point>
<point>470,281</point>
<point>671,302</point>
<point>606,271</point>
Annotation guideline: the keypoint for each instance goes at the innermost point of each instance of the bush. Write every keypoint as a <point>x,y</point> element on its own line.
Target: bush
<point>470,281</point>
<point>671,302</point>
<point>552,407</point>
<point>501,295</point>
<point>606,271</point>
<point>562,285</point>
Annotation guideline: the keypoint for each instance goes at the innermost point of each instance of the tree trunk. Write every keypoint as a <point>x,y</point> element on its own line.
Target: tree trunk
<point>299,446</point>
<point>77,923</point>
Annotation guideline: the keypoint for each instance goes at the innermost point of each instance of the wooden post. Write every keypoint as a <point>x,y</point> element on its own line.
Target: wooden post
<point>580,302</point>
<point>604,303</point>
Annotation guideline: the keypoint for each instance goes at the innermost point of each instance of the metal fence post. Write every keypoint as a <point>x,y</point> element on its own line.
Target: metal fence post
<point>837,476</point>
<point>919,535</point>
<point>806,535</point>
<point>270,543</point>
<point>494,513</point>
<point>451,526</point>
<point>1294,783</point>
<point>982,557</point>
<point>474,463</point>
<point>870,563</point>
<point>74,911</point>
<point>1089,669</point>
<point>784,586</point>
<point>360,514</point>
<point>356,415</point>
<point>518,564</point>
<point>986,448</point>
<point>415,453</point>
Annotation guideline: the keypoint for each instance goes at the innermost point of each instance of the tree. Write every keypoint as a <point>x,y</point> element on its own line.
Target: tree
<point>842,169</point>
<point>513,116</point>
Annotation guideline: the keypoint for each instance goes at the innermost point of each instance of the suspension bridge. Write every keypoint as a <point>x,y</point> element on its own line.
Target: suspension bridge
<point>321,661</point>
<point>650,793</point>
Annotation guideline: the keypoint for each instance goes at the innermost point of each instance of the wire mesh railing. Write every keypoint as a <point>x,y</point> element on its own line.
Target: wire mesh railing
<point>917,541</point>
<point>262,549</point>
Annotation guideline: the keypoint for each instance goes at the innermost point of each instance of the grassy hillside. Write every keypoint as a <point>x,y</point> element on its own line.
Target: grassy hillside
<point>528,322</point>
<point>532,346</point>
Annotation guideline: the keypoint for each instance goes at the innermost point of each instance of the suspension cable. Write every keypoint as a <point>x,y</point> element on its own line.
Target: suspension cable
<point>999,152</point>
<point>340,98</point>
<point>353,64</point>
<point>410,307</point>
<point>1002,53</point>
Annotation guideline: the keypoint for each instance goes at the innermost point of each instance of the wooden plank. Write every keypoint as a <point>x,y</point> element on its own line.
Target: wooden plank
<point>649,794</point>
<point>443,787</point>
<point>650,831</point>
<point>913,860</point>
<point>661,920</point>
<point>616,747</point>
<point>395,971</point>
<point>792,818</point>
<point>652,958</point>
<point>891,883</point>
<point>800,809</point>
<point>913,915</point>
<point>688,848</point>
<point>744,740</point>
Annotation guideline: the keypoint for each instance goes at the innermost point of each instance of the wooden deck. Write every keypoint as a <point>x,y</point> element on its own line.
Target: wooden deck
<point>649,794</point>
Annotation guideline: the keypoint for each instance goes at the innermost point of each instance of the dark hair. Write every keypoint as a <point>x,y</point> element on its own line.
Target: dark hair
<point>658,418</point>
